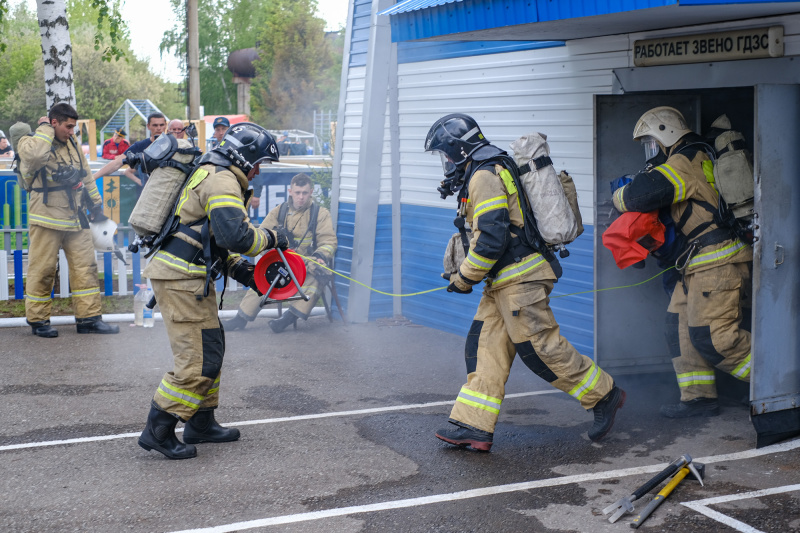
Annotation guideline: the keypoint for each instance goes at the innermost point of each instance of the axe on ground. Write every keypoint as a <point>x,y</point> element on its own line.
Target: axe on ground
<point>625,505</point>
<point>698,470</point>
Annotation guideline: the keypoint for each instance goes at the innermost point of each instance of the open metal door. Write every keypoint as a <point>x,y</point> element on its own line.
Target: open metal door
<point>775,378</point>
<point>629,323</point>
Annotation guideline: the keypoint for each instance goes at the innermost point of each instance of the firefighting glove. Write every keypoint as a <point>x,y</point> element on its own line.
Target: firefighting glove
<point>456,284</point>
<point>96,214</point>
<point>278,239</point>
<point>243,272</point>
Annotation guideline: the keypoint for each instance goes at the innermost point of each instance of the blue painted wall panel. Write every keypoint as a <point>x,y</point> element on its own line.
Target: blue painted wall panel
<point>425,232</point>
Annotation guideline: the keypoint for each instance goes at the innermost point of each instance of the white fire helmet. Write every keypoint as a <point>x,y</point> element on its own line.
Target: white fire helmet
<point>103,235</point>
<point>665,124</point>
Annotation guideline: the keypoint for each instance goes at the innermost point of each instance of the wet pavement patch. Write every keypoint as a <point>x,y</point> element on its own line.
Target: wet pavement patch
<point>39,389</point>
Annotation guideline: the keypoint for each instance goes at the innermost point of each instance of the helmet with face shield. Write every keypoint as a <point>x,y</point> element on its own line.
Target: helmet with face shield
<point>455,137</point>
<point>659,128</point>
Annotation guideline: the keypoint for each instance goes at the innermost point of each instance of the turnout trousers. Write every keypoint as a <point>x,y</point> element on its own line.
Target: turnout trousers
<point>198,346</point>
<point>43,262</point>
<point>518,319</point>
<point>249,306</point>
<point>706,318</point>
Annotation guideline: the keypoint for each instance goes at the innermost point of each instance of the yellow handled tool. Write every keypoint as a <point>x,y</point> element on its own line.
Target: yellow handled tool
<point>668,488</point>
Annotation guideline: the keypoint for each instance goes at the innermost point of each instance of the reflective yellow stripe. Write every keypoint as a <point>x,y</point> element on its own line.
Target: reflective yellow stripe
<point>518,269</point>
<point>479,401</point>
<point>618,194</point>
<point>43,136</point>
<point>676,180</point>
<point>55,223</point>
<point>743,370</point>
<point>178,263</point>
<point>587,383</point>
<point>184,197</point>
<point>258,243</point>
<point>224,200</point>
<point>479,262</point>
<point>497,202</point>
<point>708,171</point>
<point>196,178</point>
<point>86,292</point>
<point>688,379</point>
<point>33,298</point>
<point>716,255</point>
<point>214,388</point>
<point>508,181</point>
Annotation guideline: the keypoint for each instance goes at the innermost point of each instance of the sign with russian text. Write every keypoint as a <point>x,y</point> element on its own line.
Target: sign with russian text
<point>754,43</point>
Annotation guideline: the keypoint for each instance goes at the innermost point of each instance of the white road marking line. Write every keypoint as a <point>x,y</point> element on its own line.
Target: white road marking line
<point>477,493</point>
<point>265,421</point>
<point>701,506</point>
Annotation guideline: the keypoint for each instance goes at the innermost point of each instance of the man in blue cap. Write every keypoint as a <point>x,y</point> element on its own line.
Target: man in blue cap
<point>221,125</point>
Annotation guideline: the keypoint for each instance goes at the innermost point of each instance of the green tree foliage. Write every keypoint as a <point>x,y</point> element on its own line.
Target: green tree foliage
<point>298,69</point>
<point>100,86</point>
<point>224,26</point>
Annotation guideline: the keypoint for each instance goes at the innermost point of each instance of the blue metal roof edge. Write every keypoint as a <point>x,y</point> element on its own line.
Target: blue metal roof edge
<point>436,18</point>
<point>429,51</point>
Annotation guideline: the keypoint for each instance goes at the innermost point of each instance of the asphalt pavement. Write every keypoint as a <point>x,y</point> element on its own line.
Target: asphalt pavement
<point>338,429</point>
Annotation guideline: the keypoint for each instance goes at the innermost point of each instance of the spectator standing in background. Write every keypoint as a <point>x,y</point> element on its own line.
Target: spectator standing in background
<point>175,128</point>
<point>221,125</point>
<point>5,147</point>
<point>116,145</point>
<point>156,123</point>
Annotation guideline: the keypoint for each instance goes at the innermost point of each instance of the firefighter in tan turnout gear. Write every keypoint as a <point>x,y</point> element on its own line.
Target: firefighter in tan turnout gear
<point>212,216</point>
<point>56,175</point>
<point>514,315</point>
<point>309,229</point>
<point>705,314</point>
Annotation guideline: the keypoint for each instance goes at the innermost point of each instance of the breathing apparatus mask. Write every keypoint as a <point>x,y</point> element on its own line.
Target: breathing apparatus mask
<point>69,176</point>
<point>455,137</point>
<point>453,177</point>
<point>653,154</point>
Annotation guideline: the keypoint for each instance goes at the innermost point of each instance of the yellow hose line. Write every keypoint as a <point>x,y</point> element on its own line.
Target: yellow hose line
<point>441,288</point>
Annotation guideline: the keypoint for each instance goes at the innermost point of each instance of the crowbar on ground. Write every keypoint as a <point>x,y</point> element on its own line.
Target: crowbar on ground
<point>625,505</point>
<point>698,470</point>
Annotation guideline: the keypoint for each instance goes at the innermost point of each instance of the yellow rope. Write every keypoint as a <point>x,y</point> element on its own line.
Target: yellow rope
<point>370,288</point>
<point>441,288</point>
<point>615,288</point>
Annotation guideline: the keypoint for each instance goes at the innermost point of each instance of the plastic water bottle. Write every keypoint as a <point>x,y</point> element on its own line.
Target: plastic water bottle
<point>139,302</point>
<point>147,313</point>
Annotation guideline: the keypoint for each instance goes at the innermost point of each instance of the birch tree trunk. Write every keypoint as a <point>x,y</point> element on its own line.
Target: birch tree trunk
<point>56,51</point>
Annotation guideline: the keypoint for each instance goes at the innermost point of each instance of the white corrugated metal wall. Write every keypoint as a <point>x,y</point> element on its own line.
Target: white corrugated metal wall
<point>547,90</point>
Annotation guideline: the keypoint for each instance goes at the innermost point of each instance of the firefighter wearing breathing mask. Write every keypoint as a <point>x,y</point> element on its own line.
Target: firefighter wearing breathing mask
<point>55,174</point>
<point>704,318</point>
<point>514,315</point>
<point>212,220</point>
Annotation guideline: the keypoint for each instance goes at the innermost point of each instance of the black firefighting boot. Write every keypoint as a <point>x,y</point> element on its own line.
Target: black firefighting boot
<point>159,435</point>
<point>202,427</point>
<point>43,329</point>
<point>467,436</point>
<point>604,412</point>
<point>280,324</point>
<point>696,407</point>
<point>95,324</point>
<point>237,322</point>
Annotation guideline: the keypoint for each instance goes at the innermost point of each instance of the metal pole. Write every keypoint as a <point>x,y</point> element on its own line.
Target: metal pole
<point>193,52</point>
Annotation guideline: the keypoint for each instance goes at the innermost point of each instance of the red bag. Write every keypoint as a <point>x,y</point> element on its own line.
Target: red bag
<point>632,236</point>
